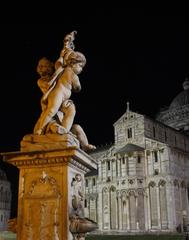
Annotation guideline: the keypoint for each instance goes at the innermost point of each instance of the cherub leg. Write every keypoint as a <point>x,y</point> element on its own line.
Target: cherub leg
<point>48,114</point>
<point>79,132</point>
<point>69,111</point>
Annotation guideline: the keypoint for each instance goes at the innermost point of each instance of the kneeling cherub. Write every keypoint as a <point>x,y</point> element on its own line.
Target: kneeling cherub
<point>61,121</point>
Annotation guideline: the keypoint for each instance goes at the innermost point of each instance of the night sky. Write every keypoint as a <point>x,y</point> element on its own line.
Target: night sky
<point>132,55</point>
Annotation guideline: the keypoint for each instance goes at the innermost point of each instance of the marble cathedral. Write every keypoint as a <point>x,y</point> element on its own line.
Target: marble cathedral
<point>142,182</point>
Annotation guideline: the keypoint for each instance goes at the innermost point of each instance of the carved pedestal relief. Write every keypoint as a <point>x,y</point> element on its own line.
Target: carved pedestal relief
<point>41,209</point>
<point>50,201</point>
<point>77,195</point>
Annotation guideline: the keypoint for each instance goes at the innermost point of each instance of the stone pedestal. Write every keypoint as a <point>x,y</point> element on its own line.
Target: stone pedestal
<point>51,191</point>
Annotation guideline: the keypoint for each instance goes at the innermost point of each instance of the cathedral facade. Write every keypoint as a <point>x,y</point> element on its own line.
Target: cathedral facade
<point>5,201</point>
<point>142,182</point>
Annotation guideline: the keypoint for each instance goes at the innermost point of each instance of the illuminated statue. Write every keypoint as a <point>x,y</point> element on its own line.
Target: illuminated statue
<point>57,83</point>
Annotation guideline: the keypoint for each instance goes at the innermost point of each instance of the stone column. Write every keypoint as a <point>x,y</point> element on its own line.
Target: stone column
<point>117,212</point>
<point>100,209</point>
<point>120,211</point>
<point>187,202</point>
<point>51,185</point>
<point>160,161</point>
<point>181,207</point>
<point>128,214</point>
<point>158,208</point>
<point>118,167</point>
<point>111,169</point>
<point>126,166</point>
<point>150,164</point>
<point>103,170</point>
<point>145,163</point>
<point>149,209</point>
<point>136,212</point>
<point>100,171</point>
<point>146,210</point>
<point>120,162</point>
<point>170,205</point>
<point>109,209</point>
<point>96,210</point>
<point>106,170</point>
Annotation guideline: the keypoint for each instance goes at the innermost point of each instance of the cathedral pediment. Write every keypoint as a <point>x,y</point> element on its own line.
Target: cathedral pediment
<point>130,148</point>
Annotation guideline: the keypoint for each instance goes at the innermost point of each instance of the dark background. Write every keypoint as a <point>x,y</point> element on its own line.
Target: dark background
<point>133,55</point>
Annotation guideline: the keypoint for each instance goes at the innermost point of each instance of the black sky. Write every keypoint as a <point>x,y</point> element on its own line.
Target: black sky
<point>132,55</point>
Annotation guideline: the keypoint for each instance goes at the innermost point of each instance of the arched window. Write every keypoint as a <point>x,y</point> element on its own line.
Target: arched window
<point>85,203</point>
<point>94,181</point>
<point>108,164</point>
<point>129,132</point>
<point>154,132</point>
<point>86,182</point>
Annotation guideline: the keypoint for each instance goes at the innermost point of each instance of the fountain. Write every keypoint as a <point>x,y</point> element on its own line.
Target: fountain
<point>53,160</point>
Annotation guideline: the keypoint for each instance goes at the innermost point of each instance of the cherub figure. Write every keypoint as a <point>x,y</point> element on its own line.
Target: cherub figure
<point>57,87</point>
<point>58,111</point>
<point>66,83</point>
<point>57,124</point>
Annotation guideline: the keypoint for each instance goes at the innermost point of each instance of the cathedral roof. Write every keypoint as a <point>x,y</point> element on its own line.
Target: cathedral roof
<point>101,148</point>
<point>130,148</point>
<point>2,175</point>
<point>92,173</point>
<point>182,98</point>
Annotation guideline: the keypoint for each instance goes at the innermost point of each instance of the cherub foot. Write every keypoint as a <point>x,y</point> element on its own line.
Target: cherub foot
<point>56,128</point>
<point>38,132</point>
<point>61,130</point>
<point>89,147</point>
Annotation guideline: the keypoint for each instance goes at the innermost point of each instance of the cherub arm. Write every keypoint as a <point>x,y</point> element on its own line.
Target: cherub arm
<point>43,85</point>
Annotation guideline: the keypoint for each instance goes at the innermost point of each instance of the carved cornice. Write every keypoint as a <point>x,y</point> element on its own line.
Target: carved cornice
<point>39,161</point>
<point>79,165</point>
<point>68,155</point>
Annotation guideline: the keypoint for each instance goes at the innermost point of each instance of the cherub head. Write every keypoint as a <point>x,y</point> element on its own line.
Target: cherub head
<point>75,57</point>
<point>75,60</point>
<point>45,67</point>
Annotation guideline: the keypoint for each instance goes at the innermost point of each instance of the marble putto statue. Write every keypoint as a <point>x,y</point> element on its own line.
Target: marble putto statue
<point>57,82</point>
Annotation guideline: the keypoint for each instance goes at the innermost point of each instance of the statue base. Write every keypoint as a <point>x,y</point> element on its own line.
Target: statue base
<point>32,142</point>
<point>51,189</point>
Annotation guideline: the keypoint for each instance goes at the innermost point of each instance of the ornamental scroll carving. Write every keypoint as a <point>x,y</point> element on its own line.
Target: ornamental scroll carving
<point>46,181</point>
